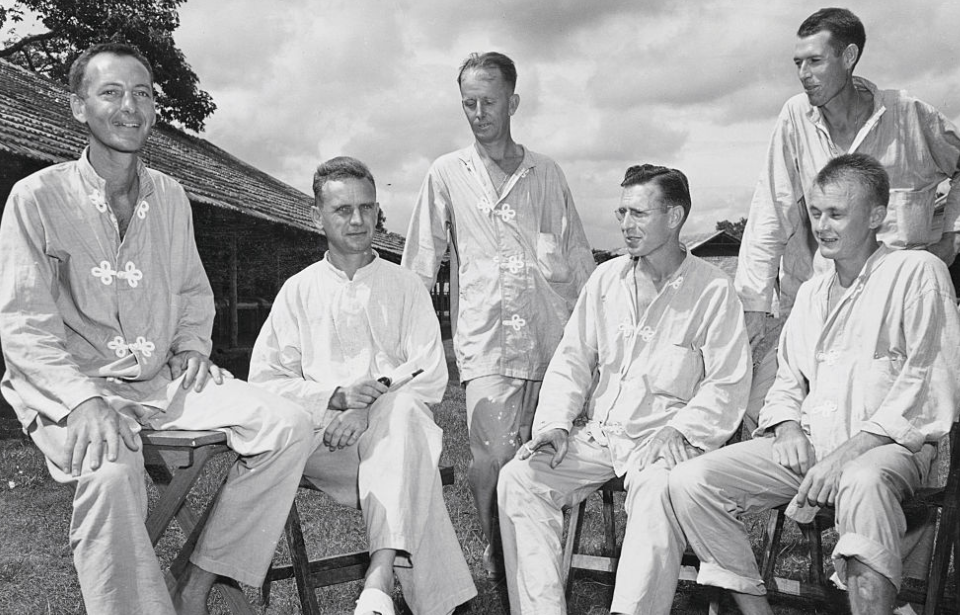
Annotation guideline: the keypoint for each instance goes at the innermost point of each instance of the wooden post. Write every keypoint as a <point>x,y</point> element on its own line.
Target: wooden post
<point>234,316</point>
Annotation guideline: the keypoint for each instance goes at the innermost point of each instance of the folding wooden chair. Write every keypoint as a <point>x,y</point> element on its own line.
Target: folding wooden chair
<point>607,561</point>
<point>174,460</point>
<point>325,571</point>
<point>946,541</point>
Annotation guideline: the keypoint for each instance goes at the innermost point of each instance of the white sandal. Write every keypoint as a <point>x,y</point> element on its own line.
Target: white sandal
<point>372,601</point>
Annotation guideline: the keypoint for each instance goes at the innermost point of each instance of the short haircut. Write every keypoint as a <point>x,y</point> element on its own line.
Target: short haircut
<point>673,184</point>
<point>78,69</point>
<point>844,27</point>
<point>341,167</point>
<point>862,170</point>
<point>488,60</point>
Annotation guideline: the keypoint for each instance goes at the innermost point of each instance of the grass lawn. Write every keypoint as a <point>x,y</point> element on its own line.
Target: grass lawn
<point>37,575</point>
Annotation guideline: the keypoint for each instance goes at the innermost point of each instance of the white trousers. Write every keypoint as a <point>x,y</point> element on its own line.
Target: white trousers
<point>499,418</point>
<point>116,565</point>
<point>711,492</point>
<point>531,496</point>
<point>391,475</point>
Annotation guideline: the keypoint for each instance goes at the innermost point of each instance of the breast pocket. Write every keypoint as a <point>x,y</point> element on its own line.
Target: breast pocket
<point>880,378</point>
<point>677,372</point>
<point>913,213</point>
<point>550,258</point>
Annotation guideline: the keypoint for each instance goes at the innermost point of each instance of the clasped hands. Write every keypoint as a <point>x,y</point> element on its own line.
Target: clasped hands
<point>353,403</point>
<point>94,423</point>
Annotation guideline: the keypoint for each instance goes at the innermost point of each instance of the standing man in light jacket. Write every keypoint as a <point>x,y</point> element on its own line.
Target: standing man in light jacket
<point>519,258</point>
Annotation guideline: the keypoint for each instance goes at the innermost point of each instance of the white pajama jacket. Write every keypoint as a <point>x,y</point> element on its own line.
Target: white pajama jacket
<point>682,363</point>
<point>518,260</point>
<point>325,331</point>
<point>884,361</point>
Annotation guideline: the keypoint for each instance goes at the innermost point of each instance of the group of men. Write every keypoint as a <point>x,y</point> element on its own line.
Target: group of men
<point>640,369</point>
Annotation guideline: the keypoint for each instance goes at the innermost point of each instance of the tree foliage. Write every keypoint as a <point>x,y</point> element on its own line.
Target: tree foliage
<point>381,221</point>
<point>734,228</point>
<point>73,25</point>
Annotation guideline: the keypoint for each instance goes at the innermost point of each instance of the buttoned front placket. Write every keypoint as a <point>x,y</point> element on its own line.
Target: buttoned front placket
<point>120,274</point>
<point>831,353</point>
<point>511,258</point>
<point>636,334</point>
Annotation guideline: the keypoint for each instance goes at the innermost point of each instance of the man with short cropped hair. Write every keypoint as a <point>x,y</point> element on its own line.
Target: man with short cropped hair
<point>354,339</point>
<point>105,319</point>
<point>839,113</point>
<point>518,260</point>
<point>867,386</point>
<point>657,350</point>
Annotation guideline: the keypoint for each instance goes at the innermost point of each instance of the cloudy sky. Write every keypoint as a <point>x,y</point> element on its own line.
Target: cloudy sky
<point>603,84</point>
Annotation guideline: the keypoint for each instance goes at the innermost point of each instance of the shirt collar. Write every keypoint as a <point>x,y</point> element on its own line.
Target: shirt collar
<point>815,116</point>
<point>471,156</point>
<point>90,175</point>
<point>364,272</point>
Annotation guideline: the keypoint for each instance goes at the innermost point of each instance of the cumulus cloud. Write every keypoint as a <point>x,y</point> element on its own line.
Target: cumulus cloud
<point>603,85</point>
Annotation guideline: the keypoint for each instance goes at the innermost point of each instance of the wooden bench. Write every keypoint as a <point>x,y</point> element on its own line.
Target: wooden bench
<point>174,460</point>
<point>325,571</point>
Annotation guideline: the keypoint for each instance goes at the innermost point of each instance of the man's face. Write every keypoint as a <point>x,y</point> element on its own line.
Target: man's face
<point>487,103</point>
<point>822,71</point>
<point>844,220</point>
<point>117,105</point>
<point>348,215</point>
<point>646,220</point>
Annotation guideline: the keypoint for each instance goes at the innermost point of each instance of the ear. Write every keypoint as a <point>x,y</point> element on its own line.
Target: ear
<point>78,108</point>
<point>877,214</point>
<point>675,216</point>
<point>317,218</point>
<point>850,55</point>
<point>513,103</point>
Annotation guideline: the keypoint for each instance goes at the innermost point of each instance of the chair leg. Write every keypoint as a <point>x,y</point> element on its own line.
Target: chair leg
<point>772,534</point>
<point>812,534</point>
<point>300,562</point>
<point>574,525</point>
<point>944,544</point>
<point>714,594</point>
<point>610,523</point>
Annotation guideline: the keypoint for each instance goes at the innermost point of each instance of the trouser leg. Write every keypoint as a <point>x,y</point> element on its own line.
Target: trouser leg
<point>764,373</point>
<point>118,571</point>
<point>391,475</point>
<point>653,545</point>
<point>710,493</point>
<point>869,518</point>
<point>532,495</point>
<point>274,437</point>
<point>499,417</point>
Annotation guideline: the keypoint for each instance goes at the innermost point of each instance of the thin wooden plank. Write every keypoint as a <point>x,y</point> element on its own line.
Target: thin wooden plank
<point>172,438</point>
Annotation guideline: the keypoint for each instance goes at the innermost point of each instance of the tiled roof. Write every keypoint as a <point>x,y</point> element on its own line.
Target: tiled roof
<point>36,122</point>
